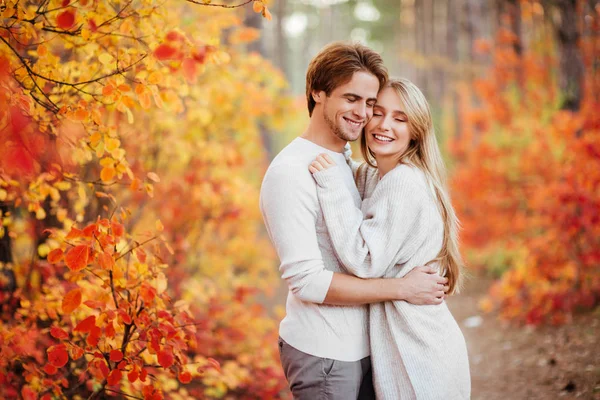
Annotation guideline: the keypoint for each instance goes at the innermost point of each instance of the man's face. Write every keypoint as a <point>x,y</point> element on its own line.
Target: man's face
<point>350,106</point>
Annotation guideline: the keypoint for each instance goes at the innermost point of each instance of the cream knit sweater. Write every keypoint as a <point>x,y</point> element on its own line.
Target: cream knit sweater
<point>417,352</point>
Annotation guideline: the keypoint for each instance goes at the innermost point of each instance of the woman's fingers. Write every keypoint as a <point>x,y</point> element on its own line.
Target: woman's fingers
<point>323,161</point>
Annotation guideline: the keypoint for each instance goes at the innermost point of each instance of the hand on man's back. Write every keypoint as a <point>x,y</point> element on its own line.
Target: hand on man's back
<point>424,286</point>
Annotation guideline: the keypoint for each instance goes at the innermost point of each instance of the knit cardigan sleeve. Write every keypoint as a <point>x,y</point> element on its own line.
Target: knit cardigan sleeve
<point>385,232</point>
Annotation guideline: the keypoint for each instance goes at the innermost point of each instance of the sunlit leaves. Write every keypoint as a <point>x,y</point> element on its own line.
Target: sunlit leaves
<point>58,356</point>
<point>77,257</point>
<point>66,19</point>
<point>71,301</point>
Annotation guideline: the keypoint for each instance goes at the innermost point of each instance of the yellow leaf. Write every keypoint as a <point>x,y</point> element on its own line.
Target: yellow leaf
<point>107,162</point>
<point>159,226</point>
<point>43,250</point>
<point>105,58</point>
<point>3,194</point>
<point>112,144</point>
<point>155,78</point>
<point>40,213</point>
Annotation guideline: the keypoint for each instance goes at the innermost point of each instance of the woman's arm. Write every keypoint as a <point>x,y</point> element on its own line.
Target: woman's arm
<point>385,232</point>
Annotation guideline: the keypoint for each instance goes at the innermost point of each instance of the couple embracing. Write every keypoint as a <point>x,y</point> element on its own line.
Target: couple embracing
<point>368,250</point>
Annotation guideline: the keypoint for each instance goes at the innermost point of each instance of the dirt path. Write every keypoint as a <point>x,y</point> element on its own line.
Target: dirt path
<point>512,363</point>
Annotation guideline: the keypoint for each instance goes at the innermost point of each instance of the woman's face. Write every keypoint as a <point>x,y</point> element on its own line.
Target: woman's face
<point>387,133</point>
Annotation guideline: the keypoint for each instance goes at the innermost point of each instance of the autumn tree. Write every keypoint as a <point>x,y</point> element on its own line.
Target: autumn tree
<point>526,181</point>
<point>131,245</point>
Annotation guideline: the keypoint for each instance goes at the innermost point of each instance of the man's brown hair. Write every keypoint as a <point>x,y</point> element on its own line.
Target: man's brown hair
<point>336,63</point>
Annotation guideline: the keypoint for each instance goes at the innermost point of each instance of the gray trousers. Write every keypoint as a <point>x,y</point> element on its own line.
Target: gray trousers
<point>316,378</point>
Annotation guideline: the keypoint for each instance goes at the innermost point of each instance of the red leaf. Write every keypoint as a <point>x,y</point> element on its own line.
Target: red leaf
<point>71,301</point>
<point>86,325</point>
<point>117,229</point>
<point>55,256</point>
<point>125,318</point>
<point>94,336</point>
<point>28,394</point>
<point>165,52</point>
<point>185,377</point>
<point>174,36</point>
<point>77,258</point>
<point>90,230</point>
<point>103,368</point>
<point>58,333</point>
<point>133,374</point>
<point>143,375</point>
<point>58,356</point>
<point>66,19</point>
<point>114,377</point>
<point>166,358</point>
<point>190,70</point>
<point>116,355</point>
<point>50,369</point>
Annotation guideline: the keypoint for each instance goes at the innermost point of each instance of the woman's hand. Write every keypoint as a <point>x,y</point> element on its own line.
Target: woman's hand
<point>323,161</point>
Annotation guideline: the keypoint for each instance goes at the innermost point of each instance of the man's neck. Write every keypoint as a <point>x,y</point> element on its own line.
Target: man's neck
<point>320,133</point>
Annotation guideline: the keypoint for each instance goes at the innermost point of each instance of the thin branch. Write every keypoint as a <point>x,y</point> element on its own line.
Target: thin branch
<point>201,3</point>
<point>123,394</point>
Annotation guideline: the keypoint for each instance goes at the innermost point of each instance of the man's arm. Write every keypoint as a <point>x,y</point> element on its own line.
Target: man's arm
<point>290,218</point>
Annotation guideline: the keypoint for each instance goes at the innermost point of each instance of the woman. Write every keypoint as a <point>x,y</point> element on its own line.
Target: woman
<point>407,220</point>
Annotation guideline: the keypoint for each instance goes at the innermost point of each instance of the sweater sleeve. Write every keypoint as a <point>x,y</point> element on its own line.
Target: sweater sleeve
<point>385,232</point>
<point>290,215</point>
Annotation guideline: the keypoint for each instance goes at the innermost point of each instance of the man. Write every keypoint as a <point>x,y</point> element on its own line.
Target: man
<point>324,343</point>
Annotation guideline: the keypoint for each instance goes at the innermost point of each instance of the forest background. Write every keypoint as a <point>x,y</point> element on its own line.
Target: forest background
<point>134,136</point>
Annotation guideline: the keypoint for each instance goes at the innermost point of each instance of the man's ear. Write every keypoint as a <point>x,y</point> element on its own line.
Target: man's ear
<point>318,96</point>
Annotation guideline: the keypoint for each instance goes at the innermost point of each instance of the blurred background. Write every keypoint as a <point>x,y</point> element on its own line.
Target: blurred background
<point>148,127</point>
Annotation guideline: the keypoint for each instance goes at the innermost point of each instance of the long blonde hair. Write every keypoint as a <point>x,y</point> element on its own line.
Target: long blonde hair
<point>423,152</point>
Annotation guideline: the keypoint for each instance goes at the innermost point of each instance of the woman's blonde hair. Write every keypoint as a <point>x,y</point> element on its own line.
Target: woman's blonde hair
<point>424,153</point>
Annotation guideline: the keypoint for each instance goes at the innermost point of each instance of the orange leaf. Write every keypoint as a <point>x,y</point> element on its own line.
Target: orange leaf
<point>58,333</point>
<point>58,356</point>
<point>116,355</point>
<point>76,352</point>
<point>185,377</point>
<point>165,52</point>
<point>66,19</point>
<point>107,174</point>
<point>55,256</point>
<point>77,258</point>
<point>258,6</point>
<point>106,261</point>
<point>74,233</point>
<point>86,325</point>
<point>147,292</point>
<point>71,301</point>
<point>165,358</point>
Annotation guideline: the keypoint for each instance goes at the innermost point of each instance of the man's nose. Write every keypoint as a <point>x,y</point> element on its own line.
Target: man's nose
<point>361,110</point>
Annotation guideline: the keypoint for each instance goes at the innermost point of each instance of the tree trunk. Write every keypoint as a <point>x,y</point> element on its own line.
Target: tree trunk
<point>571,61</point>
<point>8,283</point>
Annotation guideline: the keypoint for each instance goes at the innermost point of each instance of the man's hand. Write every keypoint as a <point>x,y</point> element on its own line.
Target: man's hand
<point>323,161</point>
<point>423,286</point>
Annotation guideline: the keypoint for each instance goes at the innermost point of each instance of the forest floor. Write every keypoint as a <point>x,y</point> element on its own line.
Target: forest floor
<point>509,362</point>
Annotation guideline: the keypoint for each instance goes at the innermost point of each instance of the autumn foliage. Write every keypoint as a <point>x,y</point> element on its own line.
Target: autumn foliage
<point>132,248</point>
<point>526,182</point>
